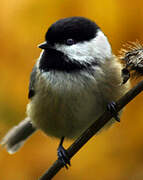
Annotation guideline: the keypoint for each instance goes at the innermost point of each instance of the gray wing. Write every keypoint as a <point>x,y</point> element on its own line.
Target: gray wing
<point>32,83</point>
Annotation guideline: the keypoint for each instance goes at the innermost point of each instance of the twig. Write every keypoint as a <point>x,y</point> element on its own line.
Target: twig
<point>93,129</point>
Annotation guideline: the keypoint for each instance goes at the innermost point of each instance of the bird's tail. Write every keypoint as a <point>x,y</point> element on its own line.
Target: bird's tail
<point>16,137</point>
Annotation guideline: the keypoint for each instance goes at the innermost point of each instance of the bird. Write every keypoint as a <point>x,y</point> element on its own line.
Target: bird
<point>73,81</point>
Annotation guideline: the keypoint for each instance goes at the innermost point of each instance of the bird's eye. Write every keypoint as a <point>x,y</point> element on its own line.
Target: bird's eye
<point>70,42</point>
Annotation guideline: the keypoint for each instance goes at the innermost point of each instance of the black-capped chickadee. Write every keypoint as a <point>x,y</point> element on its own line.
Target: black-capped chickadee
<point>72,82</point>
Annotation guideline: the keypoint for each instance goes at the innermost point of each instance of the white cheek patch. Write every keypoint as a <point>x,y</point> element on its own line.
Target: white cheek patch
<point>87,51</point>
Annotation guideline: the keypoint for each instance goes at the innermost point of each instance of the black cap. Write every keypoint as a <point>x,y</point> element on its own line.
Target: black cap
<point>78,28</point>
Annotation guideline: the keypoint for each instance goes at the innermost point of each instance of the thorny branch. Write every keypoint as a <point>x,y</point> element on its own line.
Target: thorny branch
<point>94,128</point>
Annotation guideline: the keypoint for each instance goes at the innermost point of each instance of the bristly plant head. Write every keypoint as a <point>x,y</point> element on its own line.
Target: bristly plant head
<point>131,55</point>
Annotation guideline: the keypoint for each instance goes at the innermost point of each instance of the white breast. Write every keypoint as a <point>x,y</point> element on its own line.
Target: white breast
<point>65,104</point>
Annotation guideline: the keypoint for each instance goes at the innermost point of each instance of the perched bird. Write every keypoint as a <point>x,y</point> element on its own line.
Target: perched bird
<point>74,80</point>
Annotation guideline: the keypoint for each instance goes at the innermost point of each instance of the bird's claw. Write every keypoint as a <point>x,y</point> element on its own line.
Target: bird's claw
<point>63,155</point>
<point>113,110</point>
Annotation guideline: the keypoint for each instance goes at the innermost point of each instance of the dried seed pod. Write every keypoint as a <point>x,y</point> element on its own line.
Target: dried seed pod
<point>125,75</point>
<point>132,57</point>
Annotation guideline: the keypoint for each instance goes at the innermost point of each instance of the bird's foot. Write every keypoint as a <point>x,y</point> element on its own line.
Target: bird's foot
<point>63,155</point>
<point>113,110</point>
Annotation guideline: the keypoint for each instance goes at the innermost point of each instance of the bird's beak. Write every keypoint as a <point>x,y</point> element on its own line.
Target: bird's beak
<point>45,45</point>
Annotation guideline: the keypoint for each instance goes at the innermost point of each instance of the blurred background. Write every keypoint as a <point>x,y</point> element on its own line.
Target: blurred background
<point>116,154</point>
